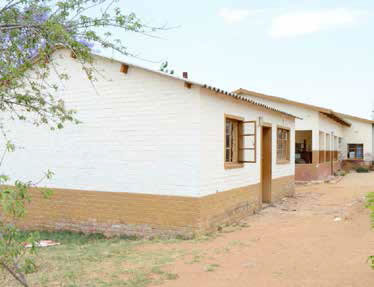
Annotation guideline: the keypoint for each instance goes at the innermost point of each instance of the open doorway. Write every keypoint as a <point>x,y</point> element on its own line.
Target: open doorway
<point>266,157</point>
<point>303,147</point>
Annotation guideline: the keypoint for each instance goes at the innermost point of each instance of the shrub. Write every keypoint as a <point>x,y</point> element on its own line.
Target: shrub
<point>340,173</point>
<point>362,169</point>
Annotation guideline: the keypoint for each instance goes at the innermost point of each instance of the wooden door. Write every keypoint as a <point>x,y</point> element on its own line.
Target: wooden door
<point>266,157</point>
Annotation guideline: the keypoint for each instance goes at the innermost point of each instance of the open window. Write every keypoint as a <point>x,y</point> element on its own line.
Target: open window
<point>283,145</point>
<point>356,151</point>
<point>240,141</point>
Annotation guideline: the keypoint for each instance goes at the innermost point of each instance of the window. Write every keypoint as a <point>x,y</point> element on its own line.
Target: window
<point>240,141</point>
<point>231,152</point>
<point>355,151</point>
<point>283,145</point>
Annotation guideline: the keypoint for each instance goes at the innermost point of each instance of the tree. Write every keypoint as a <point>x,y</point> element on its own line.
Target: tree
<point>30,31</point>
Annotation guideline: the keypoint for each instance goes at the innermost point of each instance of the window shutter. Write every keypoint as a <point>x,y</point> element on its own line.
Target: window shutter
<point>247,141</point>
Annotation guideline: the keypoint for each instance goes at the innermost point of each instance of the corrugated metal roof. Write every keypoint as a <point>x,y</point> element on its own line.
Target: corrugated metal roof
<point>239,97</point>
<point>215,89</point>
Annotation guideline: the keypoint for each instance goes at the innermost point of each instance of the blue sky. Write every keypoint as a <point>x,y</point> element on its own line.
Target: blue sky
<point>314,51</point>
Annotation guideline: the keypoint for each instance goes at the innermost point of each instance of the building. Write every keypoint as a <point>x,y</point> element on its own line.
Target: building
<point>358,144</point>
<point>154,154</point>
<point>325,140</point>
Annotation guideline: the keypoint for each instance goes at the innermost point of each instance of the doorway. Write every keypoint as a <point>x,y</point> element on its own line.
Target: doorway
<point>266,157</point>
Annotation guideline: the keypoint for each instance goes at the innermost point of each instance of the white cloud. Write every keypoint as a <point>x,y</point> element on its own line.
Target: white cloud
<point>299,23</point>
<point>232,16</point>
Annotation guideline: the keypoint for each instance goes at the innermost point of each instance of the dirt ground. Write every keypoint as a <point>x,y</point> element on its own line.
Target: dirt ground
<point>321,237</point>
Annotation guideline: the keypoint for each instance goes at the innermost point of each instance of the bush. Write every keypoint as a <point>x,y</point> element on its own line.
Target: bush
<point>362,169</point>
<point>340,173</point>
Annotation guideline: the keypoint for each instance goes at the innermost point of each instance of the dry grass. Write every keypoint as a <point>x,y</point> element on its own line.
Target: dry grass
<point>84,260</point>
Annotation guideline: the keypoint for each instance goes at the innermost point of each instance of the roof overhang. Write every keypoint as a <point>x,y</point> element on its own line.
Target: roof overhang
<point>336,118</point>
<point>245,99</point>
<point>188,83</point>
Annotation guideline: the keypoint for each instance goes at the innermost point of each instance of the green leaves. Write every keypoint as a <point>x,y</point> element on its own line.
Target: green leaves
<point>31,31</point>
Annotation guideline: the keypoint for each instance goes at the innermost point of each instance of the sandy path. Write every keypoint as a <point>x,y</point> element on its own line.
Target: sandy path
<point>296,243</point>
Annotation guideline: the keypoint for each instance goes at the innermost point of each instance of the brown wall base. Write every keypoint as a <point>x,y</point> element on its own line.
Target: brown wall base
<point>282,187</point>
<point>319,171</point>
<point>145,215</point>
<point>348,165</point>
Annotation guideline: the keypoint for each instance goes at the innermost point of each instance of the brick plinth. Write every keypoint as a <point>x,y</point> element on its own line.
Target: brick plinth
<point>115,213</point>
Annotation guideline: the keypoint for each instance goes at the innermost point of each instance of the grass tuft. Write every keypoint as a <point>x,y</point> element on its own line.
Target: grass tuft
<point>211,267</point>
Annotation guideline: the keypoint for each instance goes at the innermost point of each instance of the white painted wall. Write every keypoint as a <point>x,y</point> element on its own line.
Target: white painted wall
<point>214,178</point>
<point>140,134</point>
<point>311,120</point>
<point>359,133</point>
<point>330,126</point>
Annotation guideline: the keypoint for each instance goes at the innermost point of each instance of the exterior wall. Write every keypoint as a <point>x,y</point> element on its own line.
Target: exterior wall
<point>228,206</point>
<point>317,172</point>
<point>113,213</point>
<point>148,157</point>
<point>359,133</point>
<point>316,122</point>
<point>309,118</point>
<point>139,134</point>
<point>329,126</point>
<point>237,192</point>
<point>214,177</point>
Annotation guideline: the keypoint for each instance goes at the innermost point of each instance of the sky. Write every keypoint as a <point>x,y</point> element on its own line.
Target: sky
<point>318,52</point>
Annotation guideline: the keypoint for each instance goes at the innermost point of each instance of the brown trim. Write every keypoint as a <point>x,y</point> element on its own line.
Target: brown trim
<point>283,161</point>
<point>187,85</point>
<point>283,127</point>
<point>124,68</point>
<point>237,118</point>
<point>267,124</point>
<point>232,165</point>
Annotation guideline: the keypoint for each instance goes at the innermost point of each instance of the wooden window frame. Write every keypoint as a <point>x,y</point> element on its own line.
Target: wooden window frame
<point>235,161</point>
<point>288,153</point>
<point>349,149</point>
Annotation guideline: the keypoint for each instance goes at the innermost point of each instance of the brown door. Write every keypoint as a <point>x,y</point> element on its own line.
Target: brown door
<point>266,164</point>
